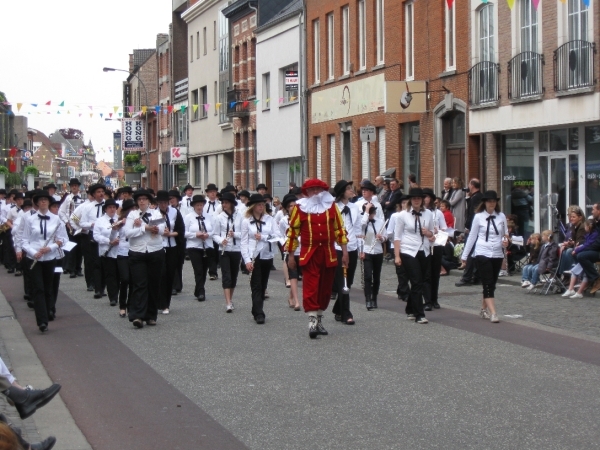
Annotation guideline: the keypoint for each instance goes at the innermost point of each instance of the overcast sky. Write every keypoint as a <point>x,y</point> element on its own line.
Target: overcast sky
<point>55,51</point>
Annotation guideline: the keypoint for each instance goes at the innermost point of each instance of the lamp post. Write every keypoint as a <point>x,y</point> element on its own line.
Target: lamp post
<point>111,69</point>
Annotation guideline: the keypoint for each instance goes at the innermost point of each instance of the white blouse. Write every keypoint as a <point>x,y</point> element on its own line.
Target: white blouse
<point>37,232</point>
<point>370,229</point>
<point>408,230</point>
<point>222,224</point>
<point>192,226</point>
<point>140,240</point>
<point>252,248</point>
<point>486,235</point>
<point>104,235</point>
<point>352,222</point>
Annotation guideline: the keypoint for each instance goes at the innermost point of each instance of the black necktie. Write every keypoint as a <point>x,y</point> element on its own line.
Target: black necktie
<point>417,214</point>
<point>189,200</point>
<point>230,218</point>
<point>168,223</point>
<point>490,221</point>
<point>145,217</point>
<point>99,206</point>
<point>213,205</point>
<point>112,221</point>
<point>347,211</point>
<point>200,220</point>
<point>76,197</point>
<point>43,224</point>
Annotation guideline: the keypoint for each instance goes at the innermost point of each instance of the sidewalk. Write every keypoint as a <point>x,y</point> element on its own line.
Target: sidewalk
<point>54,419</point>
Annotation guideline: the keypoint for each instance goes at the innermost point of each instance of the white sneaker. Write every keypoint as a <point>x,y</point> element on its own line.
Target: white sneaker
<point>576,295</point>
<point>525,284</point>
<point>232,307</point>
<point>531,287</point>
<point>410,316</point>
<point>166,311</point>
<point>484,314</point>
<point>503,273</point>
<point>568,293</point>
<point>494,318</point>
<point>229,308</point>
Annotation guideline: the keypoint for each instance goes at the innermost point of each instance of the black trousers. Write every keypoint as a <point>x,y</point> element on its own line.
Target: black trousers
<point>145,270</point>
<point>489,269</point>
<point>230,268</point>
<point>341,306</point>
<point>372,269</point>
<point>25,267</point>
<point>213,259</point>
<point>471,273</point>
<point>91,259</point>
<point>258,284</point>
<point>403,289</point>
<point>10,257</point>
<point>75,257</point>
<point>42,291</point>
<point>178,282</point>
<point>110,270</point>
<point>124,281</point>
<point>56,283</point>
<point>432,287</point>
<point>200,266</point>
<point>417,268</point>
<point>168,276</point>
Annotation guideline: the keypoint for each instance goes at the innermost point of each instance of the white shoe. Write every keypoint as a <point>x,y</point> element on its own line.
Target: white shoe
<point>531,287</point>
<point>229,308</point>
<point>503,273</point>
<point>525,284</point>
<point>494,318</point>
<point>576,295</point>
<point>484,314</point>
<point>166,311</point>
<point>568,293</point>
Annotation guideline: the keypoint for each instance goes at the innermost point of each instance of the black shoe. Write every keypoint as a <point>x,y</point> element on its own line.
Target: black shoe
<point>374,303</point>
<point>104,294</point>
<point>436,306</point>
<point>46,444</point>
<point>97,294</point>
<point>43,327</point>
<point>28,401</point>
<point>73,275</point>
<point>312,327</point>
<point>201,298</point>
<point>173,292</point>
<point>11,271</point>
<point>113,303</point>
<point>30,304</point>
<point>66,271</point>
<point>320,328</point>
<point>462,282</point>
<point>369,305</point>
<point>26,297</point>
<point>51,316</point>
<point>138,323</point>
<point>428,307</point>
<point>260,320</point>
<point>151,322</point>
<point>90,288</point>
<point>80,273</point>
<point>213,277</point>
<point>18,273</point>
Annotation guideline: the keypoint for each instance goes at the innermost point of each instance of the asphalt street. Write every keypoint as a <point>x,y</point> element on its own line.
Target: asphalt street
<point>206,379</point>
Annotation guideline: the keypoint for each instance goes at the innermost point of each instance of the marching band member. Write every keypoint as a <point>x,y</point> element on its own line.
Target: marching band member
<point>411,250</point>
<point>372,253</point>
<point>351,218</point>
<point>287,204</point>
<point>123,260</point>
<point>12,215</point>
<point>146,258</point>
<point>40,243</point>
<point>318,223</point>
<point>403,289</point>
<point>106,234</point>
<point>439,223</point>
<point>369,195</point>
<point>174,232</point>
<point>243,196</point>
<point>211,210</point>
<point>51,188</point>
<point>25,262</point>
<point>65,213</point>
<point>126,193</point>
<point>186,202</point>
<point>175,202</point>
<point>227,233</point>
<point>257,228</point>
<point>198,234</point>
<point>63,237</point>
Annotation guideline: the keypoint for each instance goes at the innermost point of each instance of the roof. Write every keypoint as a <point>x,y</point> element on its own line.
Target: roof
<point>141,55</point>
<point>293,8</point>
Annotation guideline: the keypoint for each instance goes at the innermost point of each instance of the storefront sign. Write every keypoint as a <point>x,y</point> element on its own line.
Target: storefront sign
<point>132,136</point>
<point>291,80</point>
<point>178,155</point>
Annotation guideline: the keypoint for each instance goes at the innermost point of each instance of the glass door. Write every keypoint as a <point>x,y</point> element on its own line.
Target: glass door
<point>559,188</point>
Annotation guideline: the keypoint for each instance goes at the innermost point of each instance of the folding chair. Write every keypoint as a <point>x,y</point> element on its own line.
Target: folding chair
<point>551,281</point>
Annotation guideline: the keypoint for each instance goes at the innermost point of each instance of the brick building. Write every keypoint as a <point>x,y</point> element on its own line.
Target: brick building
<point>354,50</point>
<point>165,119</point>
<point>535,105</point>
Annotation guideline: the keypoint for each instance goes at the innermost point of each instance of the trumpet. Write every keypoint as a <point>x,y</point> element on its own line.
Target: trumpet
<point>375,237</point>
<point>117,223</point>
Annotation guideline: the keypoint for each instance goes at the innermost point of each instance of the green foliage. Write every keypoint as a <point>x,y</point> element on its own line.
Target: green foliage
<point>31,169</point>
<point>140,168</point>
<point>182,167</point>
<point>4,170</point>
<point>13,180</point>
<point>132,158</point>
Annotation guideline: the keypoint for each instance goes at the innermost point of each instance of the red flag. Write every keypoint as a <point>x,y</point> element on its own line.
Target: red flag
<point>245,104</point>
<point>48,103</point>
<point>170,108</point>
<point>12,166</point>
<point>450,3</point>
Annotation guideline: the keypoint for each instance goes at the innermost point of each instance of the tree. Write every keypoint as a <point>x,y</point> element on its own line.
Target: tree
<point>71,133</point>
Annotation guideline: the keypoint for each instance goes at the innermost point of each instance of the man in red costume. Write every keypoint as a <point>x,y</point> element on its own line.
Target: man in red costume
<point>316,220</point>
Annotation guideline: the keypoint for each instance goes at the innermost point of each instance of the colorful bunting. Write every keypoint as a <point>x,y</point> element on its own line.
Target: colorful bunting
<point>536,3</point>
<point>232,104</point>
<point>206,107</point>
<point>195,108</point>
<point>218,105</point>
<point>19,106</point>
<point>182,109</point>
<point>511,4</point>
<point>48,103</point>
<point>62,103</point>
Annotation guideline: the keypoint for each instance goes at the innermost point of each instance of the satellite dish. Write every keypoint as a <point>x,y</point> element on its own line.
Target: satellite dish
<point>406,98</point>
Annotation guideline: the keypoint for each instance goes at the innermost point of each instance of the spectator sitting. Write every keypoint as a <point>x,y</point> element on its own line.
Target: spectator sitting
<point>448,217</point>
<point>591,233</point>
<point>449,261</point>
<point>534,245</point>
<point>548,257</point>
<point>575,236</point>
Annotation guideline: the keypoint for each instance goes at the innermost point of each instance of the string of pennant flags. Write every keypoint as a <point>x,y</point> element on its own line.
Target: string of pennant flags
<point>511,3</point>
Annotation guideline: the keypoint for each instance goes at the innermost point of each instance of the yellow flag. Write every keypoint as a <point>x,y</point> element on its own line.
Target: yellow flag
<point>195,108</point>
<point>115,108</point>
<point>144,108</point>
<point>511,3</point>
<point>218,105</point>
<point>19,106</point>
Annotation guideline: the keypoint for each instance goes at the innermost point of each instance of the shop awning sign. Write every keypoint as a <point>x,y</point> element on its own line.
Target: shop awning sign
<point>132,135</point>
<point>178,155</point>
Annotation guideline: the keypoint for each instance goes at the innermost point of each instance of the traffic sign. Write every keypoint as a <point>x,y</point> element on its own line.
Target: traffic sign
<point>107,180</point>
<point>367,134</point>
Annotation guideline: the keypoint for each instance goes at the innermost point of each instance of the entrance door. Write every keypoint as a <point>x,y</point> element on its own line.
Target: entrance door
<point>559,180</point>
<point>455,163</point>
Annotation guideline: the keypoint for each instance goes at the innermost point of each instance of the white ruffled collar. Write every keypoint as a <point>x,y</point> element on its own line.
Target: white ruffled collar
<point>316,204</point>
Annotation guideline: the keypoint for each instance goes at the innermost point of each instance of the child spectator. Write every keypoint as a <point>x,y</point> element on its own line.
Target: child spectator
<point>534,244</point>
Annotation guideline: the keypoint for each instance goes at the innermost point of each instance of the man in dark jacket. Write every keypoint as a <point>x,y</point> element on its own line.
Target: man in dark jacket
<point>591,256</point>
<point>473,201</point>
<point>393,199</point>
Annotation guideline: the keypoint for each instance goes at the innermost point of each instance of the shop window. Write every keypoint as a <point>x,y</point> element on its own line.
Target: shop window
<point>592,167</point>
<point>517,180</point>
<point>411,148</point>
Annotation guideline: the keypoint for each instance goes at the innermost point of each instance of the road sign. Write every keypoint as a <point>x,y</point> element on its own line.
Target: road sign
<point>107,180</point>
<point>367,134</point>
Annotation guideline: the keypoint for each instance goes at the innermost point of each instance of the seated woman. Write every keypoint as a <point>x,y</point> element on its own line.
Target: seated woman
<point>534,244</point>
<point>575,236</point>
<point>591,233</point>
<point>547,260</point>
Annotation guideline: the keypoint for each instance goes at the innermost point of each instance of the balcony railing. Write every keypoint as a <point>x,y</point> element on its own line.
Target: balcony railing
<point>237,103</point>
<point>574,66</point>
<point>483,83</point>
<point>525,76</point>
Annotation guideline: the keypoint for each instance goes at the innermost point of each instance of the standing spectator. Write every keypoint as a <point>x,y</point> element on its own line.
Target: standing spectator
<point>379,184</point>
<point>384,193</point>
<point>447,192</point>
<point>412,181</point>
<point>457,201</point>
<point>394,198</point>
<point>473,201</point>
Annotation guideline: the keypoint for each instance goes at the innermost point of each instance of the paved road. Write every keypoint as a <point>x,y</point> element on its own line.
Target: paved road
<point>206,379</point>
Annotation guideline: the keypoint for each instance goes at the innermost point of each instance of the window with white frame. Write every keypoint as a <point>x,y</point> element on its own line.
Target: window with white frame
<point>266,91</point>
<point>192,48</point>
<point>204,38</point>
<point>450,36</point>
<point>346,39</point>
<point>332,159</point>
<point>317,50</point>
<point>195,104</point>
<point>197,45</point>
<point>181,127</point>
<point>529,26</point>
<point>318,156</point>
<point>289,93</point>
<point>362,35</point>
<point>380,32</point>
<point>203,102</point>
<point>330,44</point>
<point>578,20</point>
<point>409,21</point>
<point>486,33</point>
<point>197,173</point>
<point>223,66</point>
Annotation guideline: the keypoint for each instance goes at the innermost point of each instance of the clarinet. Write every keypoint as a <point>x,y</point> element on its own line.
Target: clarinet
<point>50,239</point>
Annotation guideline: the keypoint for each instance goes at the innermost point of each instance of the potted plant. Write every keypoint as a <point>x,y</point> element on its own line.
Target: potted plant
<point>140,168</point>
<point>131,161</point>
<point>3,173</point>
<point>30,173</point>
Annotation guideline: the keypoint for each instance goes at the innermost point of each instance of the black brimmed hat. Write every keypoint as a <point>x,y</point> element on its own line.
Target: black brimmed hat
<point>39,194</point>
<point>126,189</point>
<point>368,186</point>
<point>143,193</point>
<point>3,191</point>
<point>228,188</point>
<point>198,199</point>
<point>50,186</point>
<point>261,186</point>
<point>175,193</point>
<point>254,199</point>
<point>244,193</point>
<point>416,192</point>
<point>74,181</point>
<point>94,187</point>
<point>211,187</point>
<point>428,192</point>
<point>229,197</point>
<point>490,195</point>
<point>287,199</point>
<point>162,196</point>
<point>340,187</point>
<point>109,202</point>
<point>127,204</point>
<point>186,187</point>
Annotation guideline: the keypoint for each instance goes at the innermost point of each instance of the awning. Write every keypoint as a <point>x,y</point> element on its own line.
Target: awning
<point>390,173</point>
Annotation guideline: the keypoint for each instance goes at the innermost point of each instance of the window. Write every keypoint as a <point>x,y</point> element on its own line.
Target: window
<point>318,156</point>
<point>362,35</point>
<point>330,43</point>
<point>191,48</point>
<point>578,20</point>
<point>486,33</point>
<point>289,91</point>
<point>204,39</point>
<point>203,102</point>
<point>223,66</point>
<point>529,26</point>
<point>215,35</point>
<point>317,50</point>
<point>332,176</point>
<point>198,45</point>
<point>195,104</point>
<point>346,39</point>
<point>411,149</point>
<point>205,161</point>
<point>366,160</point>
<point>450,37</point>
<point>181,127</point>
<point>380,37</point>
<point>382,155</point>
<point>216,96</point>
<point>408,40</point>
<point>266,91</point>
<point>197,179</point>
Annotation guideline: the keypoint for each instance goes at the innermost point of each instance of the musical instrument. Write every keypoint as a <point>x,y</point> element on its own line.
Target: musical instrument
<point>117,223</point>
<point>50,239</point>
<point>375,241</point>
<point>345,289</point>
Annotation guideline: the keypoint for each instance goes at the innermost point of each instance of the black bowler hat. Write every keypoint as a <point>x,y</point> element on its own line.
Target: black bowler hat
<point>2,191</point>
<point>27,202</point>
<point>175,193</point>
<point>255,198</point>
<point>109,202</point>
<point>244,193</point>
<point>229,197</point>
<point>127,204</point>
<point>490,195</point>
<point>368,186</point>
<point>268,196</point>
<point>261,186</point>
<point>198,199</point>
<point>287,199</point>
<point>74,181</point>
<point>143,193</point>
<point>94,187</point>
<point>162,196</point>
<point>39,194</point>
<point>228,188</point>
<point>126,189</point>
<point>429,192</point>
<point>50,186</point>
<point>416,192</point>
<point>211,187</point>
<point>188,186</point>
<point>340,187</point>
<point>19,195</point>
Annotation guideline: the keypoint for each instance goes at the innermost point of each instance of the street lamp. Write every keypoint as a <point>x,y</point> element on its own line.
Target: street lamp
<point>112,69</point>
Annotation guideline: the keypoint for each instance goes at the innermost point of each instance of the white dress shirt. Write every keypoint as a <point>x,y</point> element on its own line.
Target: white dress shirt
<point>379,214</point>
<point>68,207</point>
<point>172,215</point>
<point>212,207</point>
<point>487,239</point>
<point>410,239</point>
<point>352,223</point>
<point>284,224</point>
<point>195,223</point>
<point>370,230</point>
<point>90,212</point>
<point>123,243</point>
<point>222,224</point>
<point>140,240</point>
<point>104,235</point>
<point>13,213</point>
<point>37,232</point>
<point>252,248</point>
<point>439,222</point>
<point>185,207</point>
